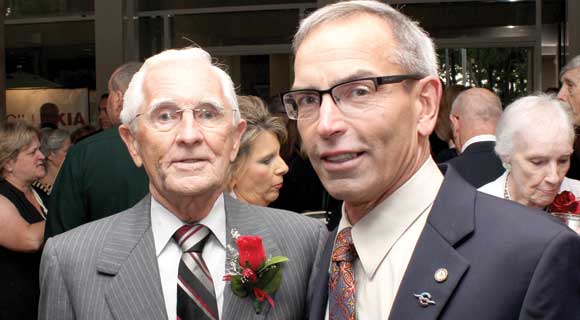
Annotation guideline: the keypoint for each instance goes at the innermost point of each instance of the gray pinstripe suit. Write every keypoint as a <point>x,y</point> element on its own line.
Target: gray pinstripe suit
<point>107,269</point>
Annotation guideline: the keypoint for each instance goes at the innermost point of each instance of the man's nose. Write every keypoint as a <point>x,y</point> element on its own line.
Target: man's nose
<point>188,130</point>
<point>331,118</point>
<point>562,94</point>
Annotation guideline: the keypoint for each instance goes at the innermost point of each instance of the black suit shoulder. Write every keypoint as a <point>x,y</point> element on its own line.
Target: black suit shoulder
<point>478,164</point>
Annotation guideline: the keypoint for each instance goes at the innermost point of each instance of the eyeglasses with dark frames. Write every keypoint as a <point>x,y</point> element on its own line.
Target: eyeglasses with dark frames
<point>351,96</point>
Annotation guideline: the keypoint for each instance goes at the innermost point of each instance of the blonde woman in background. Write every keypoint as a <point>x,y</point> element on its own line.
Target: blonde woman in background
<point>22,216</point>
<point>258,170</point>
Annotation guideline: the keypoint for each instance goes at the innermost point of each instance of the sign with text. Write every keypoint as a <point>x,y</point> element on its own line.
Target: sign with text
<point>71,112</point>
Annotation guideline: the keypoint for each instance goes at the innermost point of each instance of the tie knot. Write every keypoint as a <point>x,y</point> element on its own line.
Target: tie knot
<point>344,249</point>
<point>191,237</point>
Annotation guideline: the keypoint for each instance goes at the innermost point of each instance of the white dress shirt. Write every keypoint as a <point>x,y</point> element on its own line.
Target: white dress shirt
<point>164,224</point>
<point>385,240</point>
<point>479,138</point>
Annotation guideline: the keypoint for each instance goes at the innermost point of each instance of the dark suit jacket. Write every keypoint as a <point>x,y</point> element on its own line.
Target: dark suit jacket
<point>108,269</point>
<point>98,178</point>
<point>505,261</point>
<point>478,164</point>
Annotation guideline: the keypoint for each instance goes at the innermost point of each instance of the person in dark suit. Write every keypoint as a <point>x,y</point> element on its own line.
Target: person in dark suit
<point>181,123</point>
<point>98,177</point>
<point>474,116</point>
<point>411,243</point>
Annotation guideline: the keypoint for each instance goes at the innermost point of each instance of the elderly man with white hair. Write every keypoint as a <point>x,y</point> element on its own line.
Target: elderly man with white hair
<point>535,136</point>
<point>166,257</point>
<point>570,93</point>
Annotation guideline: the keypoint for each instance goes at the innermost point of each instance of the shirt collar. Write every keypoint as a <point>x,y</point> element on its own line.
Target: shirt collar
<point>164,223</point>
<point>479,138</point>
<point>377,232</point>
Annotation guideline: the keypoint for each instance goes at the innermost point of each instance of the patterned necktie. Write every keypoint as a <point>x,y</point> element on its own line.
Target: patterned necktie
<point>341,287</point>
<point>195,292</point>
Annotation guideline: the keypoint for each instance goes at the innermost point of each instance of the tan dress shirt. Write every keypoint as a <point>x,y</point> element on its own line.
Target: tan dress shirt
<point>385,240</point>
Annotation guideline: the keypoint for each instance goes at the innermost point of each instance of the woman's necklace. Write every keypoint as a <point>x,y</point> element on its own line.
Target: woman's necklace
<point>506,191</point>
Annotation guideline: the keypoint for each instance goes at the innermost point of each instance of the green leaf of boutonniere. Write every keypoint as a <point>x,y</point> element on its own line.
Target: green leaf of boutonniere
<point>238,287</point>
<point>271,280</point>
<point>272,261</point>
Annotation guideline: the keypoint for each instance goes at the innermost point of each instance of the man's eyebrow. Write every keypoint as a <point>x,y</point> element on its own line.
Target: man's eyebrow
<point>159,101</point>
<point>163,100</point>
<point>213,102</point>
<point>362,73</point>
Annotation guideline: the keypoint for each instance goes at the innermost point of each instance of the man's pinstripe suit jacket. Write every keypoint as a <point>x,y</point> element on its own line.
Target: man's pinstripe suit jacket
<point>107,269</point>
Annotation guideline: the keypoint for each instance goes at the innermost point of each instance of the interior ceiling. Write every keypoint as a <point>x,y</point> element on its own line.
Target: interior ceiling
<point>452,20</point>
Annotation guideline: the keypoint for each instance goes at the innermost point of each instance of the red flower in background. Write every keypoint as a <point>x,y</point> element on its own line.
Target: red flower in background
<point>251,251</point>
<point>565,202</point>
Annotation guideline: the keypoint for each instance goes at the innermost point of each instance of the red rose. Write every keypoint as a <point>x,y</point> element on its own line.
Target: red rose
<point>565,202</point>
<point>574,208</point>
<point>251,251</point>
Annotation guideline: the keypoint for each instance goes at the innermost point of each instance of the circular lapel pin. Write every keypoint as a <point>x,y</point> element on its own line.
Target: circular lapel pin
<point>441,275</point>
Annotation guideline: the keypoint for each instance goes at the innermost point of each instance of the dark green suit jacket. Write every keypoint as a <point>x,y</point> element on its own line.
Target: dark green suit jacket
<point>97,179</point>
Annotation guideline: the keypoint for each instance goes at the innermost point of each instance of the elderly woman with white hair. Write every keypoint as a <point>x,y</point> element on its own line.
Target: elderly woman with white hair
<point>535,137</point>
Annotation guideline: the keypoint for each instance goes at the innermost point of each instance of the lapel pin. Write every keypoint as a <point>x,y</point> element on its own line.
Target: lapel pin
<point>424,299</point>
<point>441,275</point>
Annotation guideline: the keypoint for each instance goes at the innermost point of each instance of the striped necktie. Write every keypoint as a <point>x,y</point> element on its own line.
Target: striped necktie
<point>195,292</point>
<point>341,287</point>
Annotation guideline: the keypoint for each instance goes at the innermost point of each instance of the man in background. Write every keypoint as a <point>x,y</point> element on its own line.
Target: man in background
<point>98,177</point>
<point>474,116</point>
<point>104,121</point>
<point>570,93</point>
<point>49,115</point>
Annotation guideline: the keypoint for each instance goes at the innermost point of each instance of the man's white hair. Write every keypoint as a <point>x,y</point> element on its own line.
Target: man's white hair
<point>133,98</point>
<point>572,64</point>
<point>415,51</point>
<point>535,112</point>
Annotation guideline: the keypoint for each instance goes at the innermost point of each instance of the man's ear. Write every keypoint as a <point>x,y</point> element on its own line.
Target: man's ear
<point>428,92</point>
<point>115,106</point>
<point>131,144</point>
<point>238,131</point>
<point>455,125</point>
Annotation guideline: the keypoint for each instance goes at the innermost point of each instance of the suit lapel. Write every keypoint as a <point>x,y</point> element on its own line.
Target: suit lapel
<point>450,221</point>
<point>240,217</point>
<point>129,257</point>
<point>320,294</point>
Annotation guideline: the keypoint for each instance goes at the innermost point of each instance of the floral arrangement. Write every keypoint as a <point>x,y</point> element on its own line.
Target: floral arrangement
<point>565,202</point>
<point>250,273</point>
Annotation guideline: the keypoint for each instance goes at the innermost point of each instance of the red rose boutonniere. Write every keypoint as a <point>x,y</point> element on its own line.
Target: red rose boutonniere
<point>565,202</point>
<point>252,274</point>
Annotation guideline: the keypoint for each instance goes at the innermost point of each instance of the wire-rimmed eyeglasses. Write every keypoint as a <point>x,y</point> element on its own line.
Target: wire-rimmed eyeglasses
<point>167,115</point>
